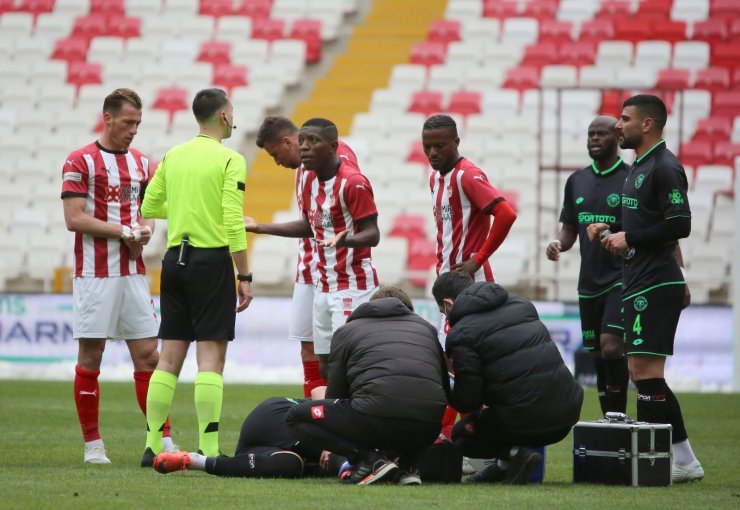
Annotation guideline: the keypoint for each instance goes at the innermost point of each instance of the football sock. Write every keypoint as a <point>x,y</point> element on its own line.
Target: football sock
<point>675,418</point>
<point>652,397</point>
<point>87,401</point>
<point>682,453</point>
<point>197,461</point>
<point>259,465</point>
<point>600,380</point>
<point>616,379</point>
<point>209,393</point>
<point>311,377</point>
<point>448,421</point>
<point>141,383</point>
<point>158,403</point>
<point>94,442</point>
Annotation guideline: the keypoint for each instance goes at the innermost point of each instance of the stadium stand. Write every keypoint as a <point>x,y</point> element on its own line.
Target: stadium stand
<point>522,77</point>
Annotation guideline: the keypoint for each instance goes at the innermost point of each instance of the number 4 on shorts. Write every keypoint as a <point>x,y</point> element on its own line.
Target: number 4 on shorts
<point>636,327</point>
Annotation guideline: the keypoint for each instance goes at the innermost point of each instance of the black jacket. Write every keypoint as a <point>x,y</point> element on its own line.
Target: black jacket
<point>503,357</point>
<point>388,361</point>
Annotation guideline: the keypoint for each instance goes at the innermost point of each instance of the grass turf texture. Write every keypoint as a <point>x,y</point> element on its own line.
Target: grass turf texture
<point>42,464</point>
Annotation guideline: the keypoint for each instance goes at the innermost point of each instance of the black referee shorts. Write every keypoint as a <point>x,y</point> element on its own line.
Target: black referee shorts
<point>197,300</point>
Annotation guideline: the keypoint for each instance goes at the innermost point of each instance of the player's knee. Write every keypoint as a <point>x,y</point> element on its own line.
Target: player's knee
<point>90,354</point>
<point>612,347</point>
<point>145,356</point>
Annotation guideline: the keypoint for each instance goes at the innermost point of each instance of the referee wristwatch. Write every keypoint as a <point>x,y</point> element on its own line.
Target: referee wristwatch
<point>244,277</point>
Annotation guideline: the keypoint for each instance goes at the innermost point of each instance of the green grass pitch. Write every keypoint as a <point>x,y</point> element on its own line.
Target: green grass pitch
<point>41,462</point>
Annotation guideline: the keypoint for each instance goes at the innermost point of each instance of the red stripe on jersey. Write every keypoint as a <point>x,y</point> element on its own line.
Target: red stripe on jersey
<point>457,214</point>
<point>339,223</point>
<point>125,181</point>
<point>433,178</point>
<point>305,264</point>
<point>318,229</point>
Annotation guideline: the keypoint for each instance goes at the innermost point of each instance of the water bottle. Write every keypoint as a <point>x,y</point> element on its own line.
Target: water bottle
<point>627,253</point>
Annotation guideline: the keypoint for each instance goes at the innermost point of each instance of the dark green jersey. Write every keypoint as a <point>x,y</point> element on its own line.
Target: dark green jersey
<point>655,191</point>
<point>593,196</point>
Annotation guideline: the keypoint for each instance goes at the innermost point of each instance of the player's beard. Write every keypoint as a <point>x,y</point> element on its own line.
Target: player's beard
<point>630,142</point>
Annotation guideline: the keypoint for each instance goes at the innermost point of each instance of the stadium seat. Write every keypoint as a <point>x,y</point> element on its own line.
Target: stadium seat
<point>71,50</point>
<point>726,104</point>
<point>255,9</point>
<point>695,154</point>
<point>465,102</point>
<point>725,153</point>
<point>673,79</point>
<point>539,55</point>
<point>230,76</point>
<point>108,8</point>
<point>614,10</point>
<point>555,31</point>
<point>520,31</point>
<point>123,27</point>
<point>409,226</point>
<point>105,49</point>
<point>481,30</point>
<point>522,78</point>
<point>691,55</point>
<point>408,77</point>
<point>596,31</point>
<point>726,55</point>
<point>712,178</point>
<point>171,99</point>
<point>655,9</point>
<point>633,30</point>
<point>736,79</point>
<point>713,31</point>
<point>556,76</point>
<point>577,53</point>
<point>445,78</point>
<point>416,154</point>
<point>234,28</point>
<point>250,52</point>
<point>215,52</point>
<point>426,102</point>
<point>268,29</point>
<point>308,31</point>
<point>463,10</point>
<point>428,54</point>
<point>422,256</point>
<point>464,54</point>
<point>724,9</point>
<point>35,7</point>
<point>713,130</point>
<point>7,6</point>
<point>671,31</point>
<point>690,10</point>
<point>16,25</point>
<point>714,79</point>
<point>83,73</point>
<point>502,103</point>
<point>499,9</point>
<point>444,31</point>
<point>653,54</point>
<point>540,9</point>
<point>89,26</point>
<point>614,54</point>
<point>215,8</point>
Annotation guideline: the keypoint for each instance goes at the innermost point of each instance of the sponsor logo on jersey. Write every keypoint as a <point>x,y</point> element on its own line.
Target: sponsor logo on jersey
<point>322,220</point>
<point>675,197</point>
<point>317,412</point>
<point>443,213</point>
<point>579,200</point>
<point>589,217</point>
<point>629,202</point>
<point>72,176</point>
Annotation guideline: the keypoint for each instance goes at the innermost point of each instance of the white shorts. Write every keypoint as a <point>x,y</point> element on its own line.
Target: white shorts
<point>330,312</point>
<point>119,307</point>
<point>300,324</point>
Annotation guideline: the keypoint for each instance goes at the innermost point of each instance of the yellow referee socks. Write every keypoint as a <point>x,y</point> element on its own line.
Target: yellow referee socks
<point>158,403</point>
<point>209,394</point>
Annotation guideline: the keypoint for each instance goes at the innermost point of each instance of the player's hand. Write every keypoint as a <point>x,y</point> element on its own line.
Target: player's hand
<point>615,243</point>
<point>135,248</point>
<point>470,266</point>
<point>594,229</point>
<point>553,251</point>
<point>244,291</point>
<point>142,235</point>
<point>334,241</point>
<point>324,460</point>
<point>250,225</point>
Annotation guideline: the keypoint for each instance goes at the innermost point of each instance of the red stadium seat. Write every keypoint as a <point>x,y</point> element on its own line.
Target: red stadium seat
<point>228,76</point>
<point>725,153</point>
<point>215,52</point>
<point>422,256</point>
<point>713,78</point>
<point>734,32</point>
<point>611,102</point>
<point>410,226</point>
<point>656,9</point>
<point>671,31</point>
<point>726,104</point>
<point>712,31</point>
<point>308,31</point>
<point>416,154</point>
<point>34,7</point>
<point>596,31</point>
<point>108,8</point>
<point>522,78</point>
<point>215,8</point>
<point>736,79</point>
<point>726,55</point>
<point>71,50</point>
<point>171,100</point>
<point>728,9</point>
<point>614,10</point>
<point>255,9</point>
<point>539,55</point>
<point>499,9</point>
<point>577,54</point>
<point>426,102</point>
<point>269,29</point>
<point>673,79</point>
<point>444,31</point>
<point>713,130</point>
<point>541,9</point>
<point>83,73</point>
<point>90,26</point>
<point>7,6</point>
<point>634,30</point>
<point>123,27</point>
<point>695,154</point>
<point>556,31</point>
<point>465,102</point>
<point>428,54</point>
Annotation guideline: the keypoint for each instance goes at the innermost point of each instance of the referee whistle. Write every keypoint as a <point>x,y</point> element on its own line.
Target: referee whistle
<point>183,254</point>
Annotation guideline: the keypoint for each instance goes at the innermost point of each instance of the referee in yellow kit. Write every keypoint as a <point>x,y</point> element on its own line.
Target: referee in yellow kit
<point>199,189</point>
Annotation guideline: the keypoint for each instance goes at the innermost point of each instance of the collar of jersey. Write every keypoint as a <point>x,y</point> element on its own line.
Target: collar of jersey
<point>110,151</point>
<point>453,166</point>
<point>608,170</point>
<point>638,160</point>
<point>209,137</point>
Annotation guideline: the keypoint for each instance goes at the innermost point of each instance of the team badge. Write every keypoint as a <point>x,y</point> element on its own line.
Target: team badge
<point>317,412</point>
<point>347,303</point>
<point>641,303</point>
<point>449,192</point>
<point>613,200</point>
<point>638,180</point>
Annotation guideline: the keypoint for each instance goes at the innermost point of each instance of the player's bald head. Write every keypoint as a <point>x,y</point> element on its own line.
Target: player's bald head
<point>604,121</point>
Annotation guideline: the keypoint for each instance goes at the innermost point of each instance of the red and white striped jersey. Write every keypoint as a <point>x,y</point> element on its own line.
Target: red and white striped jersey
<point>331,207</point>
<point>112,183</point>
<point>459,198</point>
<point>306,266</point>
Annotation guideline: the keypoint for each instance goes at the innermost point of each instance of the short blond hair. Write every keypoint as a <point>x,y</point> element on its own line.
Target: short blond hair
<point>114,101</point>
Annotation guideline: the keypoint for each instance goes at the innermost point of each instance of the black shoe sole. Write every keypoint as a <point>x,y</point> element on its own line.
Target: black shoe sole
<point>523,470</point>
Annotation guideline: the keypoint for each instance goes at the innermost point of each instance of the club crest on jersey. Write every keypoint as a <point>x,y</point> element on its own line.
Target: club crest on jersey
<point>347,303</point>
<point>317,412</point>
<point>641,303</point>
<point>613,200</point>
<point>638,180</point>
<point>113,194</point>
<point>449,192</point>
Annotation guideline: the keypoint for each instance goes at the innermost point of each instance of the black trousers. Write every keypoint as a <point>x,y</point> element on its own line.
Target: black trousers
<point>482,437</point>
<point>335,426</point>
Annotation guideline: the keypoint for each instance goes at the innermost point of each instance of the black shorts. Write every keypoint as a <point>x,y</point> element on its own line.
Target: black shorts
<point>198,300</point>
<point>650,319</point>
<point>601,314</point>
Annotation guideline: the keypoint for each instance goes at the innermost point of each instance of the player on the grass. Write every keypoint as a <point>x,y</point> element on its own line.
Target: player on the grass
<point>278,136</point>
<point>339,212</point>
<point>102,187</point>
<point>594,194</point>
<point>264,450</point>
<point>655,215</point>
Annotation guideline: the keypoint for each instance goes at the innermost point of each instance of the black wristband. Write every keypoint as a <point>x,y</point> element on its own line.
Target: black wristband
<point>244,277</point>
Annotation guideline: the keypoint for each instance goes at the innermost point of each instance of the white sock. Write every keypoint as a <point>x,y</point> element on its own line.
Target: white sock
<point>683,455</point>
<point>93,443</point>
<point>168,444</point>
<point>197,461</point>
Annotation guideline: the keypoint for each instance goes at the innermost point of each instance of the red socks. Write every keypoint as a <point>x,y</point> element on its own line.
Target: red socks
<point>87,401</point>
<point>448,421</point>
<point>141,382</point>
<point>311,377</point>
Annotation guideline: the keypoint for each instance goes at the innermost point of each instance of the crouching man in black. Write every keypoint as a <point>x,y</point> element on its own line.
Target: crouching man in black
<point>508,374</point>
<point>386,394</point>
